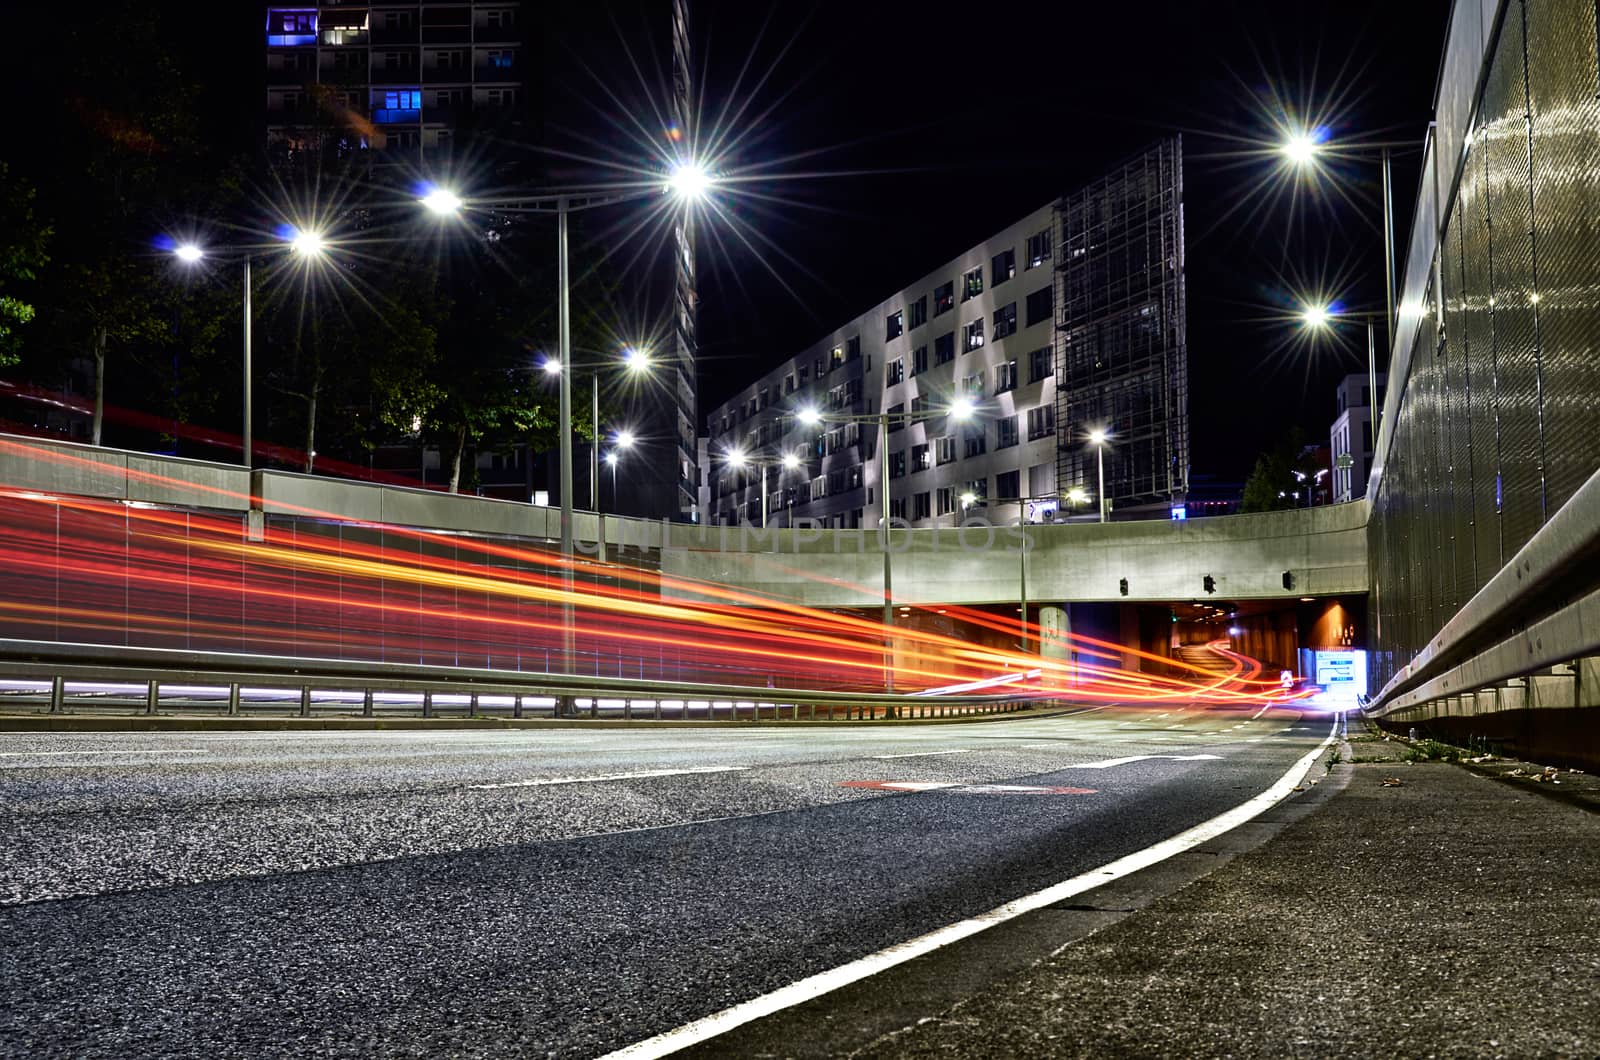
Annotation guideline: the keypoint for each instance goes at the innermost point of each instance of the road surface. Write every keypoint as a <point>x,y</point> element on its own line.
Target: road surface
<point>550,891</point>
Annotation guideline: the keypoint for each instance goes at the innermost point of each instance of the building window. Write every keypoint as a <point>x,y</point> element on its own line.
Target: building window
<point>1005,377</point>
<point>920,460</point>
<point>397,105</point>
<point>1005,321</point>
<point>919,360</point>
<point>897,464</point>
<point>499,97</point>
<point>500,19</point>
<point>919,312</point>
<point>1008,485</point>
<point>1039,304</point>
<point>897,417</point>
<point>287,29</point>
<point>897,509</point>
<point>835,357</point>
<point>975,439</point>
<point>972,284</point>
<point>852,348</point>
<point>944,449</point>
<point>947,499</point>
<point>974,492</point>
<point>972,335</point>
<point>501,59</point>
<point>895,371</point>
<point>450,60</point>
<point>896,325</point>
<point>944,348</point>
<point>919,404</point>
<point>819,487</point>
<point>1003,267</point>
<point>972,386</point>
<point>944,298</point>
<point>1038,248</point>
<point>1041,363</point>
<point>1041,422</point>
<point>920,508</point>
<point>1006,434</point>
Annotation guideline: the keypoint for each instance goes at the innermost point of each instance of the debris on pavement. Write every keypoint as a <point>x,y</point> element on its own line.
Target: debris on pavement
<point>1393,782</point>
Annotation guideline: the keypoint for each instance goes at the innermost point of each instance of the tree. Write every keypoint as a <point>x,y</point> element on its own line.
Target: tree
<point>23,240</point>
<point>1272,485</point>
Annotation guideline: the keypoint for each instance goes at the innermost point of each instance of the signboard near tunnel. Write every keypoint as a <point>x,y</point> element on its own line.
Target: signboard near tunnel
<point>1341,674</point>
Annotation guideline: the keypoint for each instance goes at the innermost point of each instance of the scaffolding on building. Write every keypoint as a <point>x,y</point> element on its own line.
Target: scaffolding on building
<point>1121,345</point>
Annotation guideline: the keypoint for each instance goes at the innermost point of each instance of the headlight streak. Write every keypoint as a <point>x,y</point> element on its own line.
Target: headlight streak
<point>176,577</point>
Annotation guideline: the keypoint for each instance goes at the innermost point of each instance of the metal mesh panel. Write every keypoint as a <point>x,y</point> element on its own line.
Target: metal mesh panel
<point>1484,377</point>
<point>1562,87</point>
<point>1505,135</point>
<point>1457,418</point>
<point>1121,357</point>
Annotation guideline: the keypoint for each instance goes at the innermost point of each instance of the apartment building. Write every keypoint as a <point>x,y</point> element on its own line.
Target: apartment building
<point>400,79</point>
<point>1092,282</point>
<point>1350,438</point>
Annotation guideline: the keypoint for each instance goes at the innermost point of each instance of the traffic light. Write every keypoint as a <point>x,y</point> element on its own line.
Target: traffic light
<point>1288,579</point>
<point>1210,583</point>
<point>1123,585</point>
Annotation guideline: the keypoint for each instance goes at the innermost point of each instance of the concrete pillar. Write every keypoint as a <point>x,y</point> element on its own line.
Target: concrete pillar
<point>1589,682</point>
<point>1055,626</point>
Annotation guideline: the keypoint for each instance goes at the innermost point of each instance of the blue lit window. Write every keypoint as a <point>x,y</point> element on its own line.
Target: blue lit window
<point>291,28</point>
<point>501,60</point>
<point>397,105</point>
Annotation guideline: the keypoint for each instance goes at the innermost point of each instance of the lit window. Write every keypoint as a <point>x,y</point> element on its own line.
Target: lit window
<point>286,29</point>
<point>972,336</point>
<point>1038,248</point>
<point>1003,267</point>
<point>896,371</point>
<point>1005,377</point>
<point>972,284</point>
<point>896,325</point>
<point>944,298</point>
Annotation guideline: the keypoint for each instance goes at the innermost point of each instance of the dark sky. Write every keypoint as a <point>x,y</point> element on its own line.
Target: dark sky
<point>949,121</point>
<point>937,124</point>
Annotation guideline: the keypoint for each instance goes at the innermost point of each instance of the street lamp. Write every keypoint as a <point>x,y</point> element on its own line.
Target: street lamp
<point>1098,437</point>
<point>739,459</point>
<point>959,410</point>
<point>306,243</point>
<point>687,181</point>
<point>1317,316</point>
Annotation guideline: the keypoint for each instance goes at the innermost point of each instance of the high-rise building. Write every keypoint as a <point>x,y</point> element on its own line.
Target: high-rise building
<point>1350,437</point>
<point>402,80</point>
<point>1067,321</point>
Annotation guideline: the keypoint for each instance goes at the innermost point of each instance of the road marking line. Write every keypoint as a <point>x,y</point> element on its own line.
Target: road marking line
<point>825,982</point>
<point>1108,763</point>
<point>549,781</point>
<point>961,788</point>
<point>42,754</point>
<point>923,754</point>
<point>1265,707</point>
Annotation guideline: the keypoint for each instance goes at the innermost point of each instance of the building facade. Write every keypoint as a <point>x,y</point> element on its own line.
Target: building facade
<point>400,79</point>
<point>1350,437</point>
<point>994,325</point>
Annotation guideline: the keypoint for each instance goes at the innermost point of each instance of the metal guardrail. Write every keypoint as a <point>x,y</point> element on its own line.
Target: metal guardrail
<point>424,689</point>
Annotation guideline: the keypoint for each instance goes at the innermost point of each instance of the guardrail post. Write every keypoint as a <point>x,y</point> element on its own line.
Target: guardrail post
<point>427,704</point>
<point>58,694</point>
<point>472,706</point>
<point>366,702</point>
<point>594,705</point>
<point>516,705</point>
<point>656,712</point>
<point>627,709</point>
<point>152,696</point>
<point>305,701</point>
<point>233,698</point>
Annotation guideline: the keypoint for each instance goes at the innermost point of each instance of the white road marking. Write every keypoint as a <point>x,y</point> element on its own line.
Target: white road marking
<point>548,781</point>
<point>128,751</point>
<point>1265,707</point>
<point>1108,763</point>
<point>825,982</point>
<point>923,754</point>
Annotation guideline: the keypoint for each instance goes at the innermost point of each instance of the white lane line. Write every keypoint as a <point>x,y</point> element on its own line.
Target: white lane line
<point>1265,707</point>
<point>548,781</point>
<point>1109,762</point>
<point>129,751</point>
<point>921,754</point>
<point>825,982</point>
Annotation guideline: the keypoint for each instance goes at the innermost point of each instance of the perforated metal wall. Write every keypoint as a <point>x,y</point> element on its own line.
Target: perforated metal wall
<point>1497,423</point>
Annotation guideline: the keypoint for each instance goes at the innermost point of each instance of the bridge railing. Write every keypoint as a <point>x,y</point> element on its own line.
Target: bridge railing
<point>52,678</point>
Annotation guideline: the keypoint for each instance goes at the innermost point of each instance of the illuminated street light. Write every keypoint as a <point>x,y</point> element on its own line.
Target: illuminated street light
<point>308,244</point>
<point>809,416</point>
<point>637,360</point>
<point>1098,437</point>
<point>1301,148</point>
<point>737,458</point>
<point>552,366</point>
<point>968,499</point>
<point>791,461</point>
<point>962,409</point>
<point>441,201</point>
<point>689,181</point>
<point>624,440</point>
<point>1316,316</point>
<point>188,253</point>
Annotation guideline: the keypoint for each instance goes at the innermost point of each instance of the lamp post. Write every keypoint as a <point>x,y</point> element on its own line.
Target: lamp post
<point>738,458</point>
<point>688,182</point>
<point>1303,149</point>
<point>1098,437</point>
<point>307,244</point>
<point>623,440</point>
<point>960,410</point>
<point>1320,317</point>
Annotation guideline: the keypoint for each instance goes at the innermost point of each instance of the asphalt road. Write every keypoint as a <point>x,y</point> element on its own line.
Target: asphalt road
<point>561,892</point>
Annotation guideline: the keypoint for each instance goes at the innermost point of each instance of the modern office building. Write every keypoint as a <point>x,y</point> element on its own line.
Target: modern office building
<point>402,80</point>
<point>1068,321</point>
<point>1350,437</point>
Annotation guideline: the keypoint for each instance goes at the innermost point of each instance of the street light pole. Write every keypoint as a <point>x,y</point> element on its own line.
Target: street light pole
<point>1372,389</point>
<point>1388,253</point>
<point>248,452</point>
<point>564,428</point>
<point>888,583</point>
<point>1099,439</point>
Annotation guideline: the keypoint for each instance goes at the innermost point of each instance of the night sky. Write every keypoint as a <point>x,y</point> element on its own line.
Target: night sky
<point>941,123</point>
<point>949,121</point>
